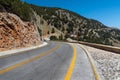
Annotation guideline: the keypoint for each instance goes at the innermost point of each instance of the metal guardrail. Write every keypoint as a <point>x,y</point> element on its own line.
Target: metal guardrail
<point>100,46</point>
<point>103,47</point>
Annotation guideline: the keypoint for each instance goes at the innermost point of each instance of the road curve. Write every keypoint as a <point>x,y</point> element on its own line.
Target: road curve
<point>56,61</point>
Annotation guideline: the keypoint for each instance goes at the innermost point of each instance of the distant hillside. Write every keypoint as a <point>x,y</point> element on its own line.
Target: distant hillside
<point>67,22</point>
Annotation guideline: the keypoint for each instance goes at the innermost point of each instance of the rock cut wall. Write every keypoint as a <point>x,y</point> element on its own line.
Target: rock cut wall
<point>14,33</point>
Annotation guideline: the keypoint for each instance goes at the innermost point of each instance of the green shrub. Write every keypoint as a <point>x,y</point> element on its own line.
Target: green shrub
<point>53,38</point>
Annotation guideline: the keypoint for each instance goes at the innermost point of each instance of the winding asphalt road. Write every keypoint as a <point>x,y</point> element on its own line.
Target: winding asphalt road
<point>56,61</point>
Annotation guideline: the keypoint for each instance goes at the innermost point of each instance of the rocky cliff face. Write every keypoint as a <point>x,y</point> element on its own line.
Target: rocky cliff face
<point>14,33</point>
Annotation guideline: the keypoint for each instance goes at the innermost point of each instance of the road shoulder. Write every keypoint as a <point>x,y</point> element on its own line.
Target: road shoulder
<point>82,69</point>
<point>9,52</point>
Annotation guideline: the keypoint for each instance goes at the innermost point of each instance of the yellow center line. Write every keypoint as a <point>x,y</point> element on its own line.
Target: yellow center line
<point>71,67</point>
<point>27,61</point>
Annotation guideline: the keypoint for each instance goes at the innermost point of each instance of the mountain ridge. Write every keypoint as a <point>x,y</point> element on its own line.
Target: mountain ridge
<point>69,23</point>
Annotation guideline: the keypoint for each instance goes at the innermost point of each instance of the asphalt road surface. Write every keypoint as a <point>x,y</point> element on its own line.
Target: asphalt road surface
<point>56,61</point>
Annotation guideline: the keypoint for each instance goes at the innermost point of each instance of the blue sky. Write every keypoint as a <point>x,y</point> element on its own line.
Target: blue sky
<point>105,11</point>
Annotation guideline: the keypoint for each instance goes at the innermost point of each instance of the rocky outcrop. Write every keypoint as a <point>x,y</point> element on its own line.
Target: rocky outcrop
<point>14,33</point>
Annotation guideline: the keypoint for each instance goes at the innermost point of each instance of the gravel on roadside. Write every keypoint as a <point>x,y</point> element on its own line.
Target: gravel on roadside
<point>107,63</point>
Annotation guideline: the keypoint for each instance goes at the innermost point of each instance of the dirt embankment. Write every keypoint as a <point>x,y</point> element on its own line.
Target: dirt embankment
<point>14,33</point>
